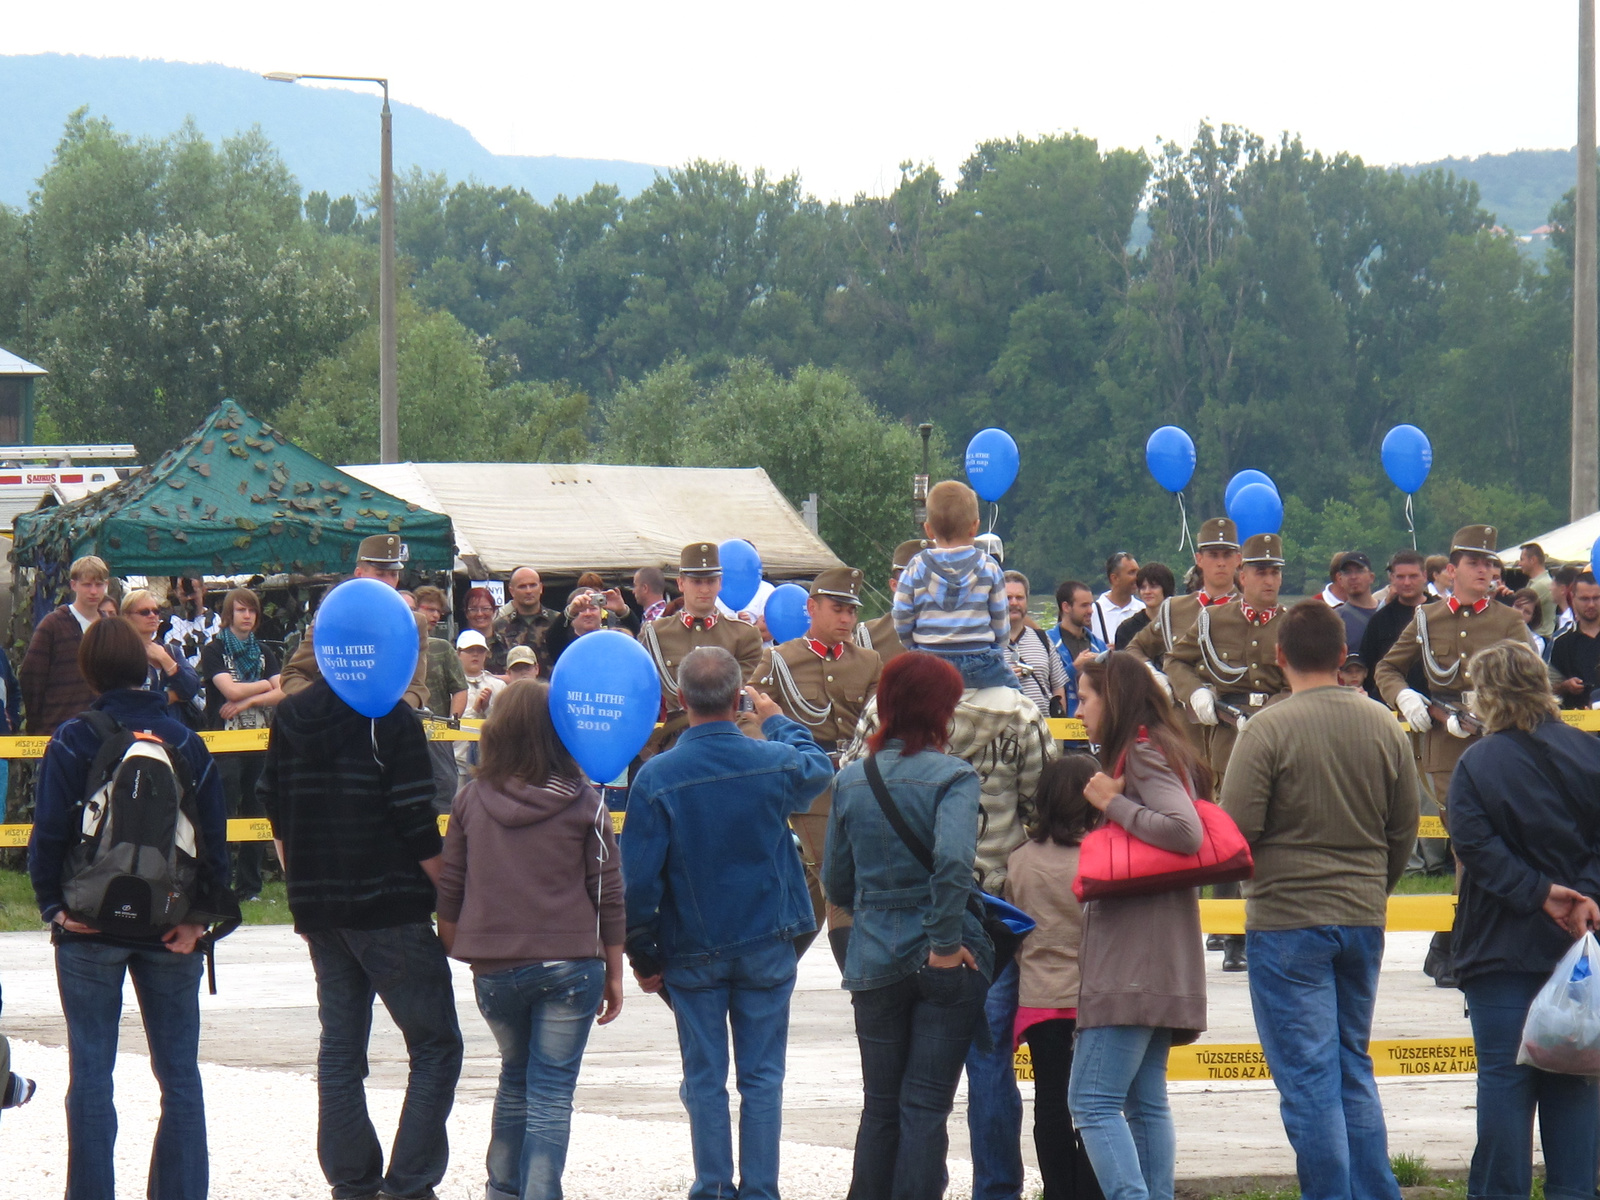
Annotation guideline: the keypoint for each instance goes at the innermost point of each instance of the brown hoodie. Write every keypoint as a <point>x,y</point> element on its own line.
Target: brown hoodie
<point>530,874</point>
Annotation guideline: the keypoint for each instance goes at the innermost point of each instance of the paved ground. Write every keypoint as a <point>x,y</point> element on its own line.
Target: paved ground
<point>629,1139</point>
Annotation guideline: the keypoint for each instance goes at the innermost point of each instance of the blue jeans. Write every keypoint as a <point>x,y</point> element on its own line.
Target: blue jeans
<point>1118,1097</point>
<point>406,966</point>
<point>1312,991</point>
<point>983,668</point>
<point>994,1105</point>
<point>913,1036</point>
<point>749,994</point>
<point>89,974</point>
<point>540,1016</point>
<point>1508,1096</point>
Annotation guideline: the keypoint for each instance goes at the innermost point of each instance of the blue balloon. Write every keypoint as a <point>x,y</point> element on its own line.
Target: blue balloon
<point>1407,457</point>
<point>741,572</point>
<point>992,462</point>
<point>1169,453</point>
<point>1256,508</point>
<point>1244,479</point>
<point>365,640</point>
<point>604,699</point>
<point>786,614</point>
<point>1594,558</point>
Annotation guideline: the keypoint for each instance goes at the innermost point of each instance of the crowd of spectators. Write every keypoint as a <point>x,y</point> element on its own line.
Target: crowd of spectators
<point>951,786</point>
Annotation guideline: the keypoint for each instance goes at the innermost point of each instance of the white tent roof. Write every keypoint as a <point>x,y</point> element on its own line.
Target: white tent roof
<point>565,519</point>
<point>1569,544</point>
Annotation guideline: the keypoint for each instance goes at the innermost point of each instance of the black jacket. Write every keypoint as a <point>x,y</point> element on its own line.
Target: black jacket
<point>351,798</point>
<point>1516,835</point>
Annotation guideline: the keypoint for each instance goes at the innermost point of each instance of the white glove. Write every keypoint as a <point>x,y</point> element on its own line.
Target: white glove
<point>1166,685</point>
<point>1413,706</point>
<point>1203,704</point>
<point>1238,726</point>
<point>1453,728</point>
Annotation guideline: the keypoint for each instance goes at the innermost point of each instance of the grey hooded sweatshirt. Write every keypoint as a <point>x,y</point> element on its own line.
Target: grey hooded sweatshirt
<point>530,874</point>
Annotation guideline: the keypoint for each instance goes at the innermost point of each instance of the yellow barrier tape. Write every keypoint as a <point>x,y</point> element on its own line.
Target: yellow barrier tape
<point>1207,1063</point>
<point>1431,827</point>
<point>1407,914</point>
<point>240,829</point>
<point>1070,729</point>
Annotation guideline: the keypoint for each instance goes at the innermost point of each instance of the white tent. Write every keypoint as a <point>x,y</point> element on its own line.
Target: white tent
<point>1569,544</point>
<point>565,519</point>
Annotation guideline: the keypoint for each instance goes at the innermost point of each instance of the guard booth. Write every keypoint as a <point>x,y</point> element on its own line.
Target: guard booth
<point>16,398</point>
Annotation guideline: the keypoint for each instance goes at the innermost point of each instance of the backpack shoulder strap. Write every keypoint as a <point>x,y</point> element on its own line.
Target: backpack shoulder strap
<point>114,741</point>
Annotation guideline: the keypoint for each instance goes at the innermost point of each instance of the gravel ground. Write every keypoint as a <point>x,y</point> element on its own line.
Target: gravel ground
<point>630,1138</point>
<point>259,1159</point>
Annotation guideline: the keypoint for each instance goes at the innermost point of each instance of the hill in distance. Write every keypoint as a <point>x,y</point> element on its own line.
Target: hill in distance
<point>328,138</point>
<point>1520,188</point>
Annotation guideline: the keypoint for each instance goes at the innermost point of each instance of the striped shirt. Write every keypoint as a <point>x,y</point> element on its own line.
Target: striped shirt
<point>1038,667</point>
<point>953,600</point>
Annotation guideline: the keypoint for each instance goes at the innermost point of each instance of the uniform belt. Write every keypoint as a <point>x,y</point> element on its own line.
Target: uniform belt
<point>1246,699</point>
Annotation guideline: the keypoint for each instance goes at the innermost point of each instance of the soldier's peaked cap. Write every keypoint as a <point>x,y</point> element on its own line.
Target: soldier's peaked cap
<point>1218,533</point>
<point>838,583</point>
<point>383,549</point>
<point>700,558</point>
<point>906,551</point>
<point>1264,550</point>
<point>1479,539</point>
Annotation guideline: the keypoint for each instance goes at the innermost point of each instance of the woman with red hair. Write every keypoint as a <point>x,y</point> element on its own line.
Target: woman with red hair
<point>918,964</point>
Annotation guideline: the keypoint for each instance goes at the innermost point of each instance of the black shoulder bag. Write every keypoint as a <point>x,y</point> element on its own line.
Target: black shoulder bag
<point>1006,940</point>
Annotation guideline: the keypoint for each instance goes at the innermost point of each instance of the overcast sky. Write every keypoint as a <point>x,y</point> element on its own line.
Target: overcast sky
<point>845,90</point>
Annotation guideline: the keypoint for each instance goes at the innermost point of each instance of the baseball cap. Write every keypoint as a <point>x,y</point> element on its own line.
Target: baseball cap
<point>519,655</point>
<point>1348,558</point>
<point>470,638</point>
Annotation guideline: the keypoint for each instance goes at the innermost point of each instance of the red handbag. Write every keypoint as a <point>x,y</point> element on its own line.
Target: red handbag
<point>1112,862</point>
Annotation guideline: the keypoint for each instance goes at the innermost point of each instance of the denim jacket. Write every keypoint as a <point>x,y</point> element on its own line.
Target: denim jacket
<point>900,912</point>
<point>709,866</point>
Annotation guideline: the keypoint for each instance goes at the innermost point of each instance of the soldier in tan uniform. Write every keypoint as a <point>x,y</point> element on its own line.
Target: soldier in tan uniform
<point>1443,636</point>
<point>381,556</point>
<point>1217,556</point>
<point>1225,669</point>
<point>879,633</point>
<point>823,680</point>
<point>697,624</point>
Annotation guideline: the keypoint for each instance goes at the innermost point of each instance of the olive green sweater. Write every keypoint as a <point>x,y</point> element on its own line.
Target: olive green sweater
<point>1324,786</point>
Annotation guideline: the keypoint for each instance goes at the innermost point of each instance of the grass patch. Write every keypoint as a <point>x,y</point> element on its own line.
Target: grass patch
<point>1424,885</point>
<point>19,913</point>
<point>1410,1170</point>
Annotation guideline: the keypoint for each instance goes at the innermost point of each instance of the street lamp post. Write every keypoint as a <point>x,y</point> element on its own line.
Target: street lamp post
<point>388,346</point>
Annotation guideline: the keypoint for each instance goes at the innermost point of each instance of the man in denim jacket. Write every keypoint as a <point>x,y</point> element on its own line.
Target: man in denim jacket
<point>715,897</point>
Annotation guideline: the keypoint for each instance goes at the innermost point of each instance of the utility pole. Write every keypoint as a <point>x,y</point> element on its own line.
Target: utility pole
<point>388,354</point>
<point>1585,290</point>
<point>919,483</point>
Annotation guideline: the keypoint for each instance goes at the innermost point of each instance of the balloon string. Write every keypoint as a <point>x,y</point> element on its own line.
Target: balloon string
<point>1411,521</point>
<point>994,513</point>
<point>1185,538</point>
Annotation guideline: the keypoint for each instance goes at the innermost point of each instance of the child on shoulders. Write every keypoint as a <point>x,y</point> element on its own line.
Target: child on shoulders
<point>951,600</point>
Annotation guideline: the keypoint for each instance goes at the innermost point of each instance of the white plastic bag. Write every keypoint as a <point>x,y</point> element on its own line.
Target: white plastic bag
<point>1562,1032</point>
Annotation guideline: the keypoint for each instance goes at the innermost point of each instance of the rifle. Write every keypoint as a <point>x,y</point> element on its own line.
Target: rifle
<point>1441,711</point>
<point>1232,714</point>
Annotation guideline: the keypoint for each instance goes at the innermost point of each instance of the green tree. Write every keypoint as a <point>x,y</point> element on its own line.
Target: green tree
<point>812,432</point>
<point>451,409</point>
<point>153,333</point>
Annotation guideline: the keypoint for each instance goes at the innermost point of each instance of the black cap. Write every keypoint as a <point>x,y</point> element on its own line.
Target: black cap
<point>1348,558</point>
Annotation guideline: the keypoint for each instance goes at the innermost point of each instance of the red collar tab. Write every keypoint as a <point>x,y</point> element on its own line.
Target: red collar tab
<point>1477,608</point>
<point>690,621</point>
<point>1206,601</point>
<point>1257,616</point>
<point>825,652</point>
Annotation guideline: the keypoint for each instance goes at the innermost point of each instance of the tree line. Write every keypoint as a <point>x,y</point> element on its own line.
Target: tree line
<point>1284,306</point>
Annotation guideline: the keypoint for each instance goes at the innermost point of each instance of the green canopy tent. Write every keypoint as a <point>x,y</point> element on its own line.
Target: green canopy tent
<point>233,498</point>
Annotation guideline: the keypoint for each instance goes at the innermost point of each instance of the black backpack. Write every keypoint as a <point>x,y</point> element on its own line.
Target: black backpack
<point>138,869</point>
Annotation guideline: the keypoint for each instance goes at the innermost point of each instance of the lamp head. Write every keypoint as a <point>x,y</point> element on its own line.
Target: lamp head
<point>281,77</point>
